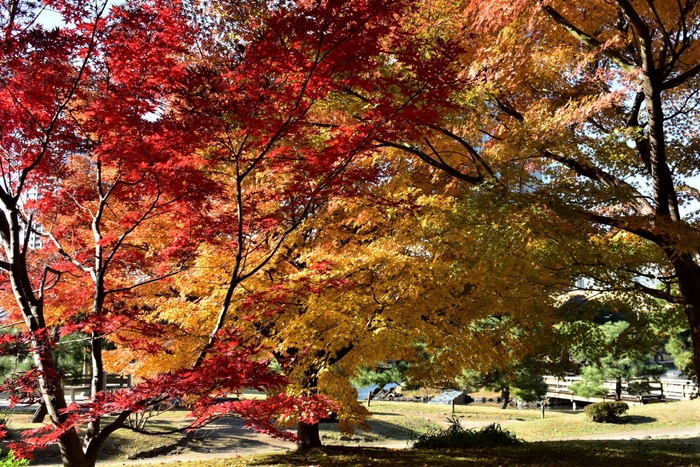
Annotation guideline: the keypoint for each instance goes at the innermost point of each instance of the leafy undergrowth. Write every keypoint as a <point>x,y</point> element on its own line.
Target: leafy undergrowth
<point>457,437</point>
<point>656,453</point>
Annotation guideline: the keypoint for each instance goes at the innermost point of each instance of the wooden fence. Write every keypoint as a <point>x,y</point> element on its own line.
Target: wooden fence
<point>82,385</point>
<point>664,388</point>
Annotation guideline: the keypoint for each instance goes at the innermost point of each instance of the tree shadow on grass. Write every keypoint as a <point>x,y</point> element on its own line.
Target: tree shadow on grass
<point>635,420</point>
<point>380,430</point>
<point>618,453</point>
<point>390,431</point>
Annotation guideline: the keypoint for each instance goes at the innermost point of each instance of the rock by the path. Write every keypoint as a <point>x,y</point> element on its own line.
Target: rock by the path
<point>448,397</point>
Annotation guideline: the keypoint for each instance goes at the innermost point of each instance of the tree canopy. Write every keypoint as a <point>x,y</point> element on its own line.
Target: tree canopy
<point>588,114</point>
<point>198,188</point>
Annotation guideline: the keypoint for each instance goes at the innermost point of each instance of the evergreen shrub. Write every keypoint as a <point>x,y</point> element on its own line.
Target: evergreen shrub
<point>606,412</point>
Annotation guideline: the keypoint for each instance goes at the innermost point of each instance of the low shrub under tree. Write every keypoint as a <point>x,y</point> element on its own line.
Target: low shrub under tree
<point>606,412</point>
<point>456,436</point>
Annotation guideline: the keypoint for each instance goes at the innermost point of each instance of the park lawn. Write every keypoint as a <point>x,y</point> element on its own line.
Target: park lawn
<point>400,422</point>
<point>469,411</point>
<point>404,421</point>
<point>656,453</point>
<point>527,424</point>
<point>659,416</point>
<point>561,454</point>
<point>390,424</point>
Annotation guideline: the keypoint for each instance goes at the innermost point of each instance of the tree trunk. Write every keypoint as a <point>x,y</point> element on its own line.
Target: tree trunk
<point>93,447</point>
<point>308,433</point>
<point>688,273</point>
<point>39,414</point>
<point>374,392</point>
<point>308,436</point>
<point>72,454</point>
<point>97,384</point>
<point>505,397</point>
<point>618,388</point>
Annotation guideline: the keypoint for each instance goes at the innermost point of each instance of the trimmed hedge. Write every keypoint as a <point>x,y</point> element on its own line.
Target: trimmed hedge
<point>606,412</point>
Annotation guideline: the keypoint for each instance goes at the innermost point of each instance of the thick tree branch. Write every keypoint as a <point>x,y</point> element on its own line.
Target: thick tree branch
<point>431,161</point>
<point>594,173</point>
<point>508,109</point>
<point>95,444</point>
<point>656,293</point>
<point>627,227</point>
<point>642,31</point>
<point>44,276</point>
<point>633,117</point>
<point>66,255</point>
<point>590,41</point>
<point>682,78</point>
<point>470,149</point>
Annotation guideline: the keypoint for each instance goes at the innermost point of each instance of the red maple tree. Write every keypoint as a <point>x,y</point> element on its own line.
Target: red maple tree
<point>134,135</point>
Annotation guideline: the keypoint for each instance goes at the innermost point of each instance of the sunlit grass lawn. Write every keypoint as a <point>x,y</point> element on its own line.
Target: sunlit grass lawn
<point>656,453</point>
<point>561,454</point>
<point>528,425</point>
<point>661,416</point>
<point>399,422</point>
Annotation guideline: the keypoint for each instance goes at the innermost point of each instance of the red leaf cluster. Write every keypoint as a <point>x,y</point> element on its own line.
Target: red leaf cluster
<point>232,366</point>
<point>131,137</point>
